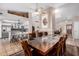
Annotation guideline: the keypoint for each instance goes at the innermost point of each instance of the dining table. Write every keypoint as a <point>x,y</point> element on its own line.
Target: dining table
<point>44,44</point>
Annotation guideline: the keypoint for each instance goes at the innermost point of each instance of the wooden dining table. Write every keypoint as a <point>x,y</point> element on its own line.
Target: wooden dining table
<point>44,44</point>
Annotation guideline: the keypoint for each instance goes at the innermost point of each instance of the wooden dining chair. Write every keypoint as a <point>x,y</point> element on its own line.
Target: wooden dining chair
<point>65,38</point>
<point>26,48</point>
<point>40,34</point>
<point>53,51</point>
<point>45,33</point>
<point>60,47</point>
<point>34,35</point>
<point>61,38</point>
<point>57,48</point>
<point>63,44</point>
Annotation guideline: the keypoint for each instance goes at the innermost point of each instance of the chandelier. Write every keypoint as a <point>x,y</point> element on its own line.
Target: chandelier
<point>38,9</point>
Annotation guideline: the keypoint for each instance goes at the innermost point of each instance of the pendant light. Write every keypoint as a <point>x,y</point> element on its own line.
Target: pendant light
<point>36,10</point>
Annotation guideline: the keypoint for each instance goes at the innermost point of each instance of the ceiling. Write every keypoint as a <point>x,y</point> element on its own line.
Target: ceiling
<point>66,10</point>
<point>28,6</point>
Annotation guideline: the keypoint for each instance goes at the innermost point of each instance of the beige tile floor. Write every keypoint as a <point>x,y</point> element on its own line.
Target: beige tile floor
<point>72,47</point>
<point>7,48</point>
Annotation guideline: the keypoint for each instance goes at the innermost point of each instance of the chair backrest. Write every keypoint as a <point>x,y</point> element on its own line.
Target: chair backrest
<point>53,50</point>
<point>61,38</point>
<point>66,36</point>
<point>26,48</point>
<point>34,35</point>
<point>59,49</point>
<point>45,33</point>
<point>60,45</point>
<point>40,34</point>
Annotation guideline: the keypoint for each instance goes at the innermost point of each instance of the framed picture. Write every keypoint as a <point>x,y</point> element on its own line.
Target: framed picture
<point>22,14</point>
<point>44,21</point>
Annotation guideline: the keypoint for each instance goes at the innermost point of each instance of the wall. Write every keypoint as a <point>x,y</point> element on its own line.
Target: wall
<point>62,24</point>
<point>33,20</point>
<point>0,29</point>
<point>68,10</point>
<point>66,13</point>
<point>36,20</point>
<point>9,19</point>
<point>76,30</point>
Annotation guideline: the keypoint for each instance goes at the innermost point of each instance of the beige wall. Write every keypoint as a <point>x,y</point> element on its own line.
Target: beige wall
<point>51,21</point>
<point>0,29</point>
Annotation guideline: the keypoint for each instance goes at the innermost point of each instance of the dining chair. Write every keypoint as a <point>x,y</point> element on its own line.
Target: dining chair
<point>62,43</point>
<point>61,38</point>
<point>26,48</point>
<point>34,35</point>
<point>53,51</point>
<point>45,33</point>
<point>59,49</point>
<point>65,38</point>
<point>62,47</point>
<point>40,34</point>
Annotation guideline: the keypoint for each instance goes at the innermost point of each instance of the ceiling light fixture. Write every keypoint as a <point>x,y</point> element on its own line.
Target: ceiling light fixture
<point>38,10</point>
<point>56,11</point>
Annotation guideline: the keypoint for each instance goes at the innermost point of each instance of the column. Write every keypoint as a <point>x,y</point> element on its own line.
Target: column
<point>51,18</point>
